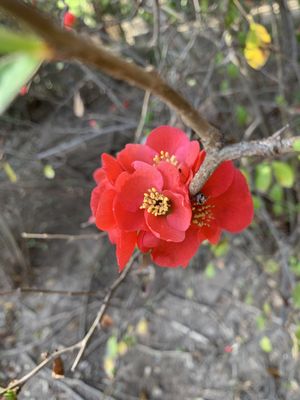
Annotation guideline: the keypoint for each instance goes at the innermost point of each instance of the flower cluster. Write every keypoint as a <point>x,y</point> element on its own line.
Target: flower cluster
<point>142,199</point>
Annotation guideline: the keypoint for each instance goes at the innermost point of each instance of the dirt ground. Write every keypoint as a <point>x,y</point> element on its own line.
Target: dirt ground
<point>193,334</point>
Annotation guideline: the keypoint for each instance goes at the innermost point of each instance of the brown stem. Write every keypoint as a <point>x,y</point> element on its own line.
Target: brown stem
<point>270,147</point>
<point>66,44</point>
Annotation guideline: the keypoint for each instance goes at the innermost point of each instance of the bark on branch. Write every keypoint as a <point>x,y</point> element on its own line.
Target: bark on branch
<point>67,44</point>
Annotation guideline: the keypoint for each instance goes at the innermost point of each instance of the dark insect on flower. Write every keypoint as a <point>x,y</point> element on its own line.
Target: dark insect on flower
<point>200,198</point>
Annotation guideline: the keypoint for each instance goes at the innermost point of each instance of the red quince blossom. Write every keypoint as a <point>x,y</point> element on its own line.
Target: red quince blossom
<point>142,199</point>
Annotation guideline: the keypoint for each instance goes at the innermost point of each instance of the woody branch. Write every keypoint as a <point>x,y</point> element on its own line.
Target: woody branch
<point>68,45</point>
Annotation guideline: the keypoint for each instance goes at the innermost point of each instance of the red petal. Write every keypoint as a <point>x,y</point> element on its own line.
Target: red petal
<point>211,232</point>
<point>132,191</point>
<point>125,247</point>
<point>234,209</point>
<point>169,254</point>
<point>160,228</point>
<point>95,196</point>
<point>129,221</point>
<point>220,180</point>
<point>167,138</point>
<point>170,174</point>
<point>104,216</point>
<point>111,166</point>
<point>188,153</point>
<point>135,152</point>
<point>181,213</point>
<point>146,241</point>
<point>99,175</point>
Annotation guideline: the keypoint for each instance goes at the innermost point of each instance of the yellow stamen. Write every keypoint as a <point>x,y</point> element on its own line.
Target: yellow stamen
<point>202,214</point>
<point>165,156</point>
<point>155,203</point>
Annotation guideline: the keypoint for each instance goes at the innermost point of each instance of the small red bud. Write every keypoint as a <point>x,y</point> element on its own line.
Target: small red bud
<point>23,90</point>
<point>93,123</point>
<point>228,349</point>
<point>69,19</point>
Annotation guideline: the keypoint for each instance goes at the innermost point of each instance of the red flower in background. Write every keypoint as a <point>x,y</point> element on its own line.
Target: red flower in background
<point>142,199</point>
<point>69,20</point>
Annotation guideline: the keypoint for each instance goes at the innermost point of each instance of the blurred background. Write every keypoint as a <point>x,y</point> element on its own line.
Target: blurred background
<point>228,326</point>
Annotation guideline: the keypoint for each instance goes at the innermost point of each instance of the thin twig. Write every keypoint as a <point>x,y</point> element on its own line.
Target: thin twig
<point>141,124</point>
<point>27,290</point>
<point>95,324</point>
<point>62,236</point>
<point>81,344</point>
<point>270,147</point>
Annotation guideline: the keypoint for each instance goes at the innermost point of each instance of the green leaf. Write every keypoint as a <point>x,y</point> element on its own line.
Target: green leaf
<point>224,86</point>
<point>295,265</point>
<point>271,267</point>
<point>296,145</point>
<point>284,174</point>
<point>280,100</point>
<point>112,347</point>
<point>210,271</point>
<point>257,202</point>
<point>12,176</point>
<point>263,177</point>
<point>296,295</point>
<point>261,322</point>
<point>265,344</point>
<point>15,71</point>
<point>241,115</point>
<point>49,172</point>
<point>10,395</point>
<point>232,71</point>
<point>12,42</point>
<point>220,249</point>
<point>276,193</point>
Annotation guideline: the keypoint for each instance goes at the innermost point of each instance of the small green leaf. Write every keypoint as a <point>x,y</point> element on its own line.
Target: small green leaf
<point>49,171</point>
<point>296,295</point>
<point>12,42</point>
<point>210,271</point>
<point>280,101</point>
<point>295,265</point>
<point>112,347</point>
<point>271,267</point>
<point>257,202</point>
<point>241,115</point>
<point>263,177</point>
<point>284,174</point>
<point>15,71</point>
<point>276,193</point>
<point>220,249</point>
<point>224,86</point>
<point>232,71</point>
<point>261,322</point>
<point>12,176</point>
<point>296,145</point>
<point>265,344</point>
<point>10,395</point>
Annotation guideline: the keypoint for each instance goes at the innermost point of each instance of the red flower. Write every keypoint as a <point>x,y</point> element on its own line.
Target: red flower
<point>69,20</point>
<point>23,91</point>
<point>142,199</point>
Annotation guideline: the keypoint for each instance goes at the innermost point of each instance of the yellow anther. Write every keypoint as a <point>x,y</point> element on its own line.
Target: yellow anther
<point>155,203</point>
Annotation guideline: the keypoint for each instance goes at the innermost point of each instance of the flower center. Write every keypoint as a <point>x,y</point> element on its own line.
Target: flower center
<point>165,156</point>
<point>202,214</point>
<point>155,203</point>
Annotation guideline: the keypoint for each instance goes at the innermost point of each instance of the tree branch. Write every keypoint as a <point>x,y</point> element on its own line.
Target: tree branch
<point>270,147</point>
<point>67,44</point>
<point>82,344</point>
